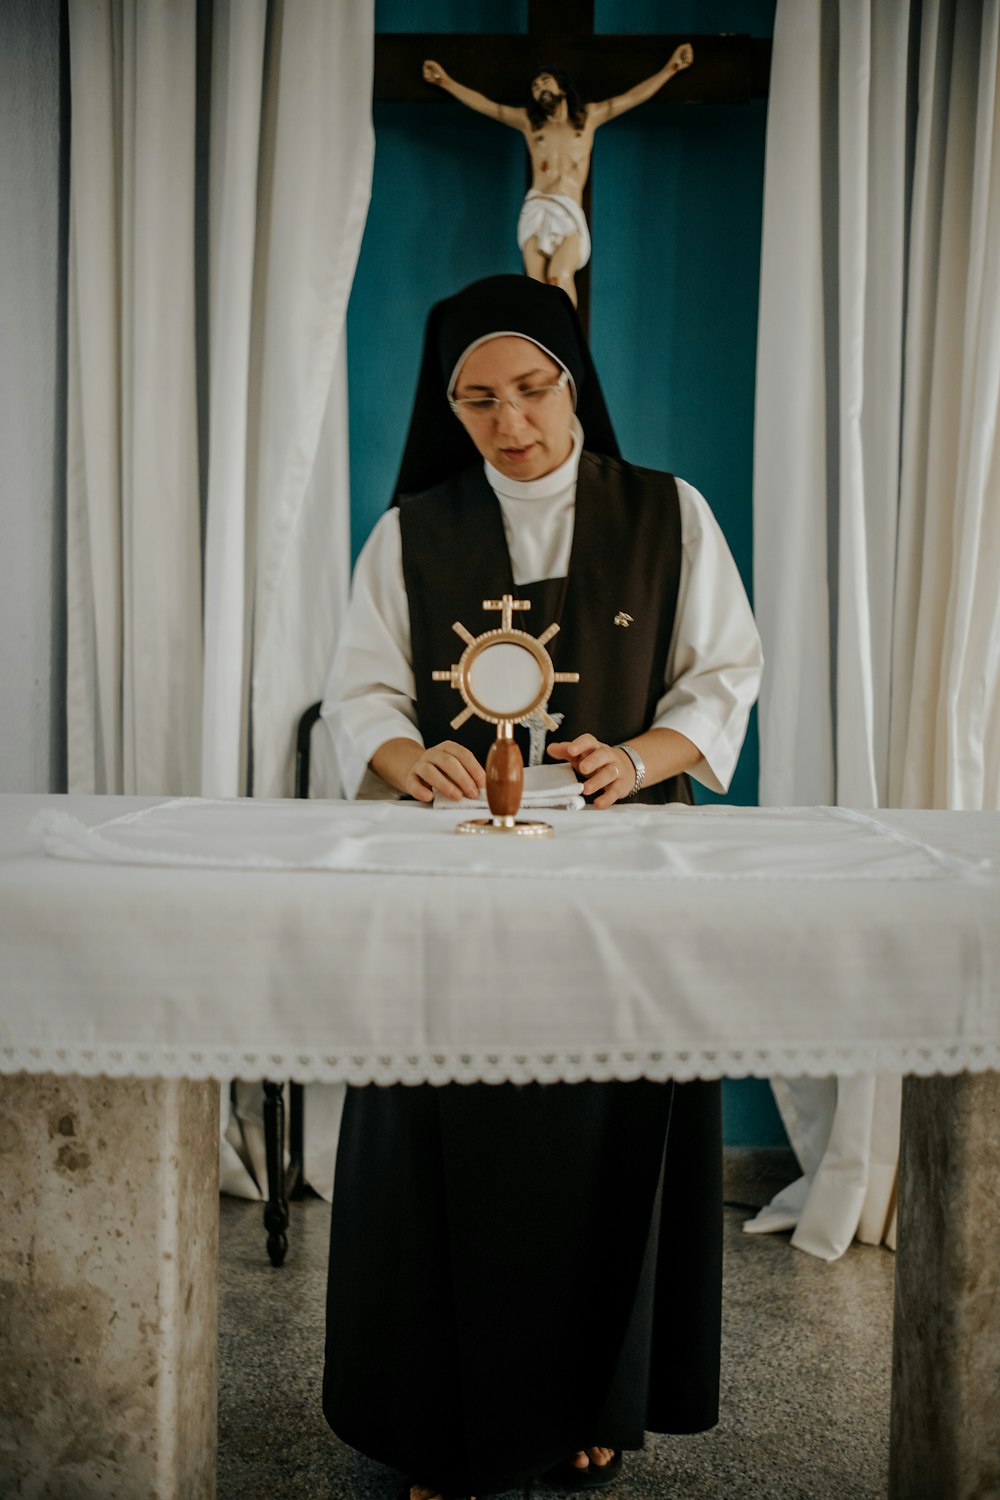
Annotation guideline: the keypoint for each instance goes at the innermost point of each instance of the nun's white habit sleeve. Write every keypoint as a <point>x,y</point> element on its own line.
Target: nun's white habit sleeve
<point>370,692</point>
<point>713,665</point>
<point>715,657</point>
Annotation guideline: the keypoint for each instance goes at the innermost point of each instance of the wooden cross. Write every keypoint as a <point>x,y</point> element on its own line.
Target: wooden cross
<point>730,69</point>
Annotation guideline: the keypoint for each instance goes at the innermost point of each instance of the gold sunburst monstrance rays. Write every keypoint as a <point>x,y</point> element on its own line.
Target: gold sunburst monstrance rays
<point>514,687</point>
<point>504,675</point>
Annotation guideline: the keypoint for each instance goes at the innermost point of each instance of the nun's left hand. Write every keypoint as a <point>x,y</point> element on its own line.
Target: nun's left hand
<point>603,768</point>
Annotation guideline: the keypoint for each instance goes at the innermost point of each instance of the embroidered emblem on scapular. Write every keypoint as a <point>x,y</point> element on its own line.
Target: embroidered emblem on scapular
<point>624,620</point>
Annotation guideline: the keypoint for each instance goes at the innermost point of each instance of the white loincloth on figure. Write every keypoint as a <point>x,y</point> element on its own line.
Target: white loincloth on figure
<point>549,218</point>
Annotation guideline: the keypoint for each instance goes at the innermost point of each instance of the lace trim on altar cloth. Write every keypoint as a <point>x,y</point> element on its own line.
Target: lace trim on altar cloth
<point>510,1065</point>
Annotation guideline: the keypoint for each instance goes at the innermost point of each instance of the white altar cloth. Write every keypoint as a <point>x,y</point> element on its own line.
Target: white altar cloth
<point>360,942</point>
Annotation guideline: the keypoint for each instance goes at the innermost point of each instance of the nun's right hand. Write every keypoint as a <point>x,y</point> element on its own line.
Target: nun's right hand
<point>448,768</point>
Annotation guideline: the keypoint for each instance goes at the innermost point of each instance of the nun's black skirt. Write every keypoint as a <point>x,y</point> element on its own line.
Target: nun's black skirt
<point>517,1272</point>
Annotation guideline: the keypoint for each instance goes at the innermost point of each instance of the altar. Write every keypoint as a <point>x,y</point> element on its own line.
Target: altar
<point>151,948</point>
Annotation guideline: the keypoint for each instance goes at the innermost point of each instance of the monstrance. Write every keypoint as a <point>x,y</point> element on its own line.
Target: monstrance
<point>504,676</point>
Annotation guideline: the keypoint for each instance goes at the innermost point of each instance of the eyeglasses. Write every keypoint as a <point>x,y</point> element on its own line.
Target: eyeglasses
<point>490,406</point>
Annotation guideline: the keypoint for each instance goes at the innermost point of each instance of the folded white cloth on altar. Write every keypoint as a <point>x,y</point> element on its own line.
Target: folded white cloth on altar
<point>549,218</point>
<point>623,842</point>
<point>544,786</point>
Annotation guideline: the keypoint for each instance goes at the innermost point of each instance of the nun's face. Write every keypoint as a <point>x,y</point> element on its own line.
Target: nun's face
<point>530,433</point>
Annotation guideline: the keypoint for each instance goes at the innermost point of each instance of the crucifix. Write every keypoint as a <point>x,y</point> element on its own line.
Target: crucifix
<point>558,127</point>
<point>728,69</point>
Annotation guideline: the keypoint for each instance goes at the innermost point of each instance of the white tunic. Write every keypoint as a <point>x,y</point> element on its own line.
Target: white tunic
<point>713,664</point>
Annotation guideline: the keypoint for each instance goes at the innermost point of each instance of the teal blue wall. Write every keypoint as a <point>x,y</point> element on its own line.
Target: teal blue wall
<point>676,229</point>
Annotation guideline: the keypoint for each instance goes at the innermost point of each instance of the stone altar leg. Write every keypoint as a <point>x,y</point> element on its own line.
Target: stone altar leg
<point>108,1288</point>
<point>945,1428</point>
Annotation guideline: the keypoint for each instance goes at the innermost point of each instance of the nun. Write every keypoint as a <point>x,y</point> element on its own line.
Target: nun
<point>525,1279</point>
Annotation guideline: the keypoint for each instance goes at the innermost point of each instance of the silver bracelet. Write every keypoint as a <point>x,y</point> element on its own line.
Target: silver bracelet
<point>638,765</point>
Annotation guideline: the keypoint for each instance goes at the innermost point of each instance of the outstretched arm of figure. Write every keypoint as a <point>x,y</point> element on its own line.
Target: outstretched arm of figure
<point>608,109</point>
<point>507,114</point>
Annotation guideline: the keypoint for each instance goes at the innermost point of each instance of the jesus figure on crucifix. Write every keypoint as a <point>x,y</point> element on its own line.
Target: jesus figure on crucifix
<point>558,128</point>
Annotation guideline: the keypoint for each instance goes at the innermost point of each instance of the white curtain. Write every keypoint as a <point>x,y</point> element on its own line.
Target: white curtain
<point>291,167</point>
<point>194,646</point>
<point>877,472</point>
<point>134,570</point>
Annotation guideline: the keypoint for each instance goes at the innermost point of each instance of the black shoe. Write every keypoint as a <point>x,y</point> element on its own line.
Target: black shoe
<point>566,1476</point>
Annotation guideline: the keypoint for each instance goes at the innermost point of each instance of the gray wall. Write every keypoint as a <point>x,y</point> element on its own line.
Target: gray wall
<point>32,399</point>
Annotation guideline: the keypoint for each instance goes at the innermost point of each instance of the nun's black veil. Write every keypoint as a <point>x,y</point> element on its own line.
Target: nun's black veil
<point>437,444</point>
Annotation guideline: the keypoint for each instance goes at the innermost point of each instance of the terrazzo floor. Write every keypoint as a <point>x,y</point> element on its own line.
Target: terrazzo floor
<point>805,1392</point>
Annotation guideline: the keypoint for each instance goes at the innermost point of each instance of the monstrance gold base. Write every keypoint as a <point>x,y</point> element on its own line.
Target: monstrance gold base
<point>530,830</point>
